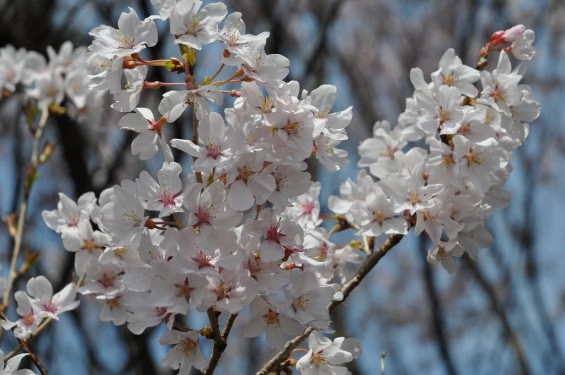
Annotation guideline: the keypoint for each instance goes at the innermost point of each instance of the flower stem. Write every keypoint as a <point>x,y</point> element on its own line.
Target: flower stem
<point>30,177</point>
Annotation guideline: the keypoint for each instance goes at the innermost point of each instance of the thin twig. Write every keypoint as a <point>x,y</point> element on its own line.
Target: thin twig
<point>34,162</point>
<point>228,326</point>
<point>33,357</point>
<point>219,342</point>
<point>40,329</point>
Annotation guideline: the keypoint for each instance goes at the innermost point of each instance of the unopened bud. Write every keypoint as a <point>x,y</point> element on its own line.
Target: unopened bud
<point>513,33</point>
<point>206,332</point>
<point>48,150</point>
<point>150,224</point>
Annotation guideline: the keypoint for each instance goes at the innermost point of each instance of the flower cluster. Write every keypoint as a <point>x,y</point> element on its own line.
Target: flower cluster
<point>39,303</point>
<point>450,187</point>
<point>60,80</point>
<point>240,227</point>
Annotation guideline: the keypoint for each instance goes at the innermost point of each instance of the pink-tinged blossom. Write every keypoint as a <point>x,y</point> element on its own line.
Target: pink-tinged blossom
<point>441,165</point>
<point>77,88</point>
<point>47,304</point>
<point>196,27</point>
<point>383,144</point>
<point>113,309</point>
<point>209,252</point>
<point>325,356</point>
<point>410,194</point>
<point>48,89</point>
<point>164,196</point>
<point>131,37</point>
<point>106,73</point>
<point>500,88</point>
<point>328,155</point>
<point>174,103</point>
<point>142,315</point>
<point>293,133</point>
<point>266,69</point>
<point>278,234</point>
<point>125,257</point>
<point>379,217</point>
<point>269,319</point>
<point>209,208</point>
<point>123,215</point>
<point>145,145</point>
<point>332,124</point>
<point>102,279</point>
<point>442,109</point>
<point>521,39</point>
<point>444,254</point>
<point>290,181</point>
<point>432,219</point>
<point>307,300</point>
<point>478,124</point>
<point>229,292</point>
<point>185,353</point>
<point>29,320</point>
<point>87,243</point>
<point>127,99</point>
<point>214,148</point>
<point>269,275</point>
<point>305,208</point>
<point>234,37</point>
<point>351,192</point>
<point>69,213</point>
<point>452,72</point>
<point>479,161</point>
<point>172,287</point>
<point>161,251</point>
<point>521,47</point>
<point>474,237</point>
<point>248,182</point>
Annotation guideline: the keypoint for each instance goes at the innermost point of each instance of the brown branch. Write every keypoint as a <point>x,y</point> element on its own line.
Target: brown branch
<point>228,326</point>
<point>219,342</point>
<point>276,362</point>
<point>33,357</point>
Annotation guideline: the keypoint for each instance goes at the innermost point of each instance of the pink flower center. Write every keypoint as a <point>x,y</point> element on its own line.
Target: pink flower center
<point>273,234</point>
<point>107,280</point>
<point>308,207</point>
<point>50,307</point>
<point>203,260</point>
<point>213,151</point>
<point>167,198</point>
<point>203,215</point>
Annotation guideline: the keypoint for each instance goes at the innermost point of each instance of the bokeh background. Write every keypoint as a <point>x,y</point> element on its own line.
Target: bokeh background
<point>502,315</point>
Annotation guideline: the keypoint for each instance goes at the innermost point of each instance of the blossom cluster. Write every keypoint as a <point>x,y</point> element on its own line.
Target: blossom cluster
<point>239,228</point>
<point>59,81</point>
<point>448,188</point>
